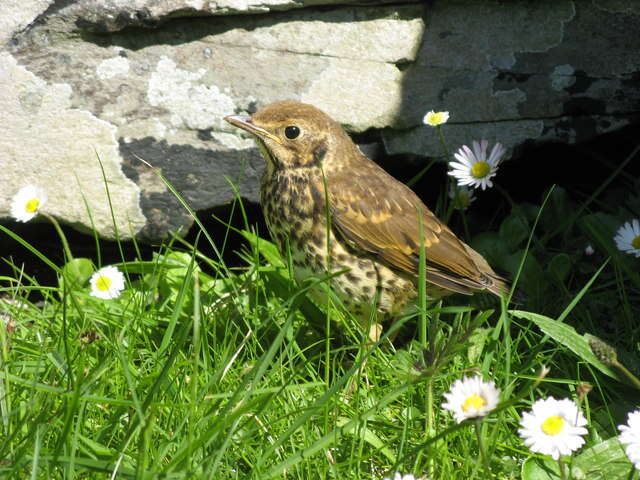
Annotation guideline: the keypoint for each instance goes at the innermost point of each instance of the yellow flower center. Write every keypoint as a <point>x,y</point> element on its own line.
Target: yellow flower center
<point>474,401</point>
<point>103,283</point>
<point>480,169</point>
<point>436,118</point>
<point>553,425</point>
<point>635,243</point>
<point>32,205</point>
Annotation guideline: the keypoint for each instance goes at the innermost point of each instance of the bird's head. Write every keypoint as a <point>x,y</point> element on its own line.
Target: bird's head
<point>291,134</point>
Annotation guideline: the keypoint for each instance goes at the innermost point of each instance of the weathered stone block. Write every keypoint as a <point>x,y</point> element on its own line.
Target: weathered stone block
<point>146,81</point>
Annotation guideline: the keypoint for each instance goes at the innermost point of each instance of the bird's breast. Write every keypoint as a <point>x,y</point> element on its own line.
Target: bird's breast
<point>293,206</point>
<point>295,209</point>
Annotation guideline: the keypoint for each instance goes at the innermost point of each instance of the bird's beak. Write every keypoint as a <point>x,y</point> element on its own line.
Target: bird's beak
<point>245,124</point>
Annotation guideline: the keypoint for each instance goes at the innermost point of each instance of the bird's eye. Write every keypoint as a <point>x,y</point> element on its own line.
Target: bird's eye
<point>291,132</point>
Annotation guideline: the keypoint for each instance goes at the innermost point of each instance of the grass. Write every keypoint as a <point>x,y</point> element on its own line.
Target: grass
<point>201,371</point>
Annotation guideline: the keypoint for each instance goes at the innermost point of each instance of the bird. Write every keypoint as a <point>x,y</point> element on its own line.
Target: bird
<point>335,211</point>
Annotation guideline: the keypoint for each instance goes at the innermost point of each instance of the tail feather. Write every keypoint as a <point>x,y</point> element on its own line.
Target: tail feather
<point>498,286</point>
<point>494,283</point>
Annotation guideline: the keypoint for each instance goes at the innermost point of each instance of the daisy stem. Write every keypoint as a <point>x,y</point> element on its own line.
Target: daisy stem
<point>63,238</point>
<point>632,378</point>
<point>465,226</point>
<point>563,470</point>
<point>449,206</point>
<point>428,405</point>
<point>481,445</point>
<point>445,148</point>
<point>447,154</point>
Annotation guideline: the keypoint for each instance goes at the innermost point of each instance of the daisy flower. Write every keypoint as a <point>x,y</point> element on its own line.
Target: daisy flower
<point>462,197</point>
<point>107,283</point>
<point>27,202</point>
<point>553,427</point>
<point>630,437</point>
<point>471,397</point>
<point>433,119</point>
<point>628,237</point>
<point>473,167</point>
<point>589,250</point>
<point>399,476</point>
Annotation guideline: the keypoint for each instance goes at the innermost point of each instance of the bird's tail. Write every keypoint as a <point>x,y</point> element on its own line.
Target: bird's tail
<point>497,285</point>
<point>493,282</point>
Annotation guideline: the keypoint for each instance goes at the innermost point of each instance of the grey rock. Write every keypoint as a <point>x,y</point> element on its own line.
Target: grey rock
<point>164,92</point>
<point>549,70</point>
<point>114,15</point>
<point>48,143</point>
<point>206,180</point>
<point>16,15</point>
<point>146,85</point>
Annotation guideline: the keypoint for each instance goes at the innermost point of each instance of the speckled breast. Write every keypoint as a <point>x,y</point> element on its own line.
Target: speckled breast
<point>295,211</point>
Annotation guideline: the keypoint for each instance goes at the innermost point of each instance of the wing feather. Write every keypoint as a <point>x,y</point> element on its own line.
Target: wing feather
<point>383,217</point>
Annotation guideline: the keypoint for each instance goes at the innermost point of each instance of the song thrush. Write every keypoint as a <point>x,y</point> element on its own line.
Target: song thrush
<point>316,175</point>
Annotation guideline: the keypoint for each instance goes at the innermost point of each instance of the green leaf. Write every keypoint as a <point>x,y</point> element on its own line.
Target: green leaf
<point>558,212</point>
<point>76,272</point>
<point>477,341</point>
<point>604,461</point>
<point>491,246</point>
<point>96,448</point>
<point>266,248</point>
<point>125,470</point>
<point>178,265</point>
<point>567,336</point>
<point>540,469</point>
<point>605,225</point>
<point>514,230</point>
<point>368,436</point>
<point>141,267</point>
<point>529,210</point>
<point>559,267</point>
<point>532,278</point>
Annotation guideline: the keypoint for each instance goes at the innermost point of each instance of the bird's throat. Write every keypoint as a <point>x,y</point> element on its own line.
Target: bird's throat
<point>270,159</point>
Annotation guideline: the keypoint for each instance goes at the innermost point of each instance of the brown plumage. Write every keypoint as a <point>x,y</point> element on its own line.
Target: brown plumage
<point>375,221</point>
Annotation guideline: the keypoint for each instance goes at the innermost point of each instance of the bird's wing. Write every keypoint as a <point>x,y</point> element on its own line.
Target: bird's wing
<point>378,214</point>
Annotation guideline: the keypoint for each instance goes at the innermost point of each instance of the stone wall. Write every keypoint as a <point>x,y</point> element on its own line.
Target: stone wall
<point>94,89</point>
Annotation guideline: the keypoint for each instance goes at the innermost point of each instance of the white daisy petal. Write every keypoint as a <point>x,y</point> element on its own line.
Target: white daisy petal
<point>553,427</point>
<point>496,152</point>
<point>27,203</point>
<point>472,166</point>
<point>468,155</point>
<point>471,397</point>
<point>107,283</point>
<point>459,166</point>
<point>433,119</point>
<point>462,160</point>
<point>475,146</point>
<point>480,150</point>
<point>630,437</point>
<point>461,177</point>
<point>627,238</point>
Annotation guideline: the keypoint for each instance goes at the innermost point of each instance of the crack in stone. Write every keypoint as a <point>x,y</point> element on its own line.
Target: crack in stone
<point>403,61</point>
